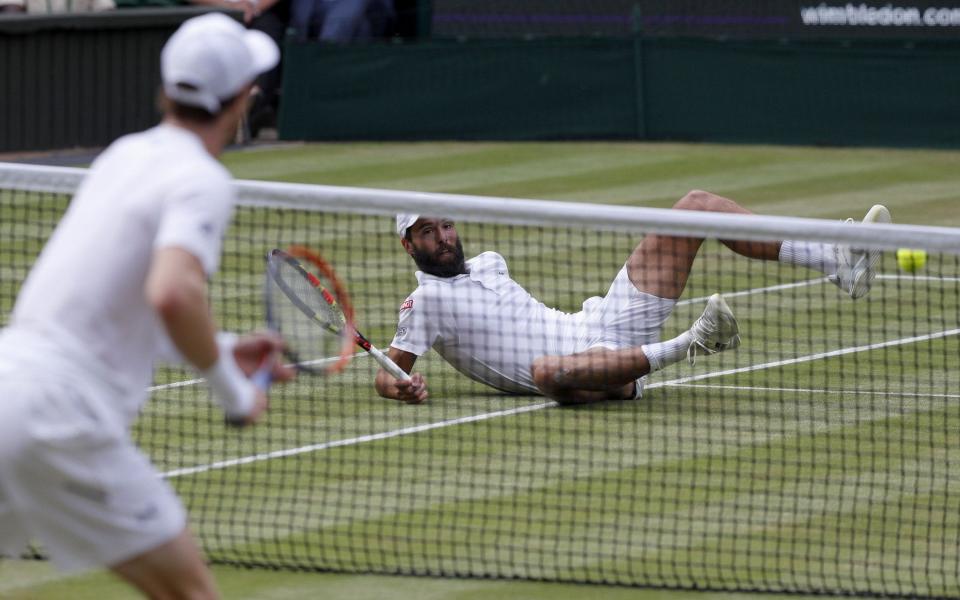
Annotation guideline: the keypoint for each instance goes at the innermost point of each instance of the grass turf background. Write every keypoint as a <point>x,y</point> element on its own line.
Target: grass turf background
<point>723,480</point>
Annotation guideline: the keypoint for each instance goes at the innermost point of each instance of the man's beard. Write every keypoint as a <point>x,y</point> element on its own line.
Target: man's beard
<point>446,265</point>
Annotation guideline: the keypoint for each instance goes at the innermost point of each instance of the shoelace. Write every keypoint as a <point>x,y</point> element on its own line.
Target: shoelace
<point>692,349</point>
<point>692,352</point>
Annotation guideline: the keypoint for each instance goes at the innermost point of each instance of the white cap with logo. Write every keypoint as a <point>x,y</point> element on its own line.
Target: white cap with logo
<point>404,222</point>
<point>210,58</point>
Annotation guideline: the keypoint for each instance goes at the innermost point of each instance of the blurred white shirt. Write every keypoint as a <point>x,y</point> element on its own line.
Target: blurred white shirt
<point>82,310</point>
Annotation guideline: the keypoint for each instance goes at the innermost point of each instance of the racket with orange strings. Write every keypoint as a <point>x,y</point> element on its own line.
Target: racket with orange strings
<point>309,306</point>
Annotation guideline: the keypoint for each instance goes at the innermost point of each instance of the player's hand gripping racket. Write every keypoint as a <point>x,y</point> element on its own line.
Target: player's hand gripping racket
<point>302,293</point>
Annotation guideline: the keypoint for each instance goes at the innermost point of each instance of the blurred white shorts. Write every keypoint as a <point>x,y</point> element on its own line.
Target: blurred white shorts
<point>73,483</point>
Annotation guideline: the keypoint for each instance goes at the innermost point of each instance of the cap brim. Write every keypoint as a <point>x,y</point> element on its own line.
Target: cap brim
<point>404,222</point>
<point>263,49</point>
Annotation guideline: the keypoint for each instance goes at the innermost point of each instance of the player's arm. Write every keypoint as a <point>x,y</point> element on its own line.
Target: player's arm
<point>388,386</point>
<point>176,288</point>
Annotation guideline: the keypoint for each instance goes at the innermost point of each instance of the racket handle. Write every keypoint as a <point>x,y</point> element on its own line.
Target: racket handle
<point>388,365</point>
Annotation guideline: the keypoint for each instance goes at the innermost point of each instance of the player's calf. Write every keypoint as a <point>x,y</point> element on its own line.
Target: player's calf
<point>592,376</point>
<point>175,569</point>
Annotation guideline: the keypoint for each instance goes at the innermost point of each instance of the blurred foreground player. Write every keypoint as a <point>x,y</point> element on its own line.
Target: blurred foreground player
<point>120,285</point>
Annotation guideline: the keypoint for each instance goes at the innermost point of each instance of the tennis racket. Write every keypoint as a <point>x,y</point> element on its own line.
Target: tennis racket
<point>303,292</point>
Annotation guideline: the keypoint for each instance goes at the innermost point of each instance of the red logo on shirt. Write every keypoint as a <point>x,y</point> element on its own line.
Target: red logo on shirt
<point>408,303</point>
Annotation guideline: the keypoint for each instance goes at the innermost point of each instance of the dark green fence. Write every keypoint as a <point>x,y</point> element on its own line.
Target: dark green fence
<point>477,90</point>
<point>884,93</point>
<point>81,80</point>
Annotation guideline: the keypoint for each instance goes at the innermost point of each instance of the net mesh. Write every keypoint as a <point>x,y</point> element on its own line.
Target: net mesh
<point>819,456</point>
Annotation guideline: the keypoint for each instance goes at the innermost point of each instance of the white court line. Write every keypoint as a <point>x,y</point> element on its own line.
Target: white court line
<point>530,408</point>
<point>223,464</point>
<point>750,388</point>
<point>771,288</point>
<point>918,278</point>
<point>817,356</point>
<point>174,385</point>
<point>178,384</point>
<point>809,282</point>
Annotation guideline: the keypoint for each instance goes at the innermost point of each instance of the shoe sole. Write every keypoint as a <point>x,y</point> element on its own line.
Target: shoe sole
<point>720,305</point>
<point>878,213</point>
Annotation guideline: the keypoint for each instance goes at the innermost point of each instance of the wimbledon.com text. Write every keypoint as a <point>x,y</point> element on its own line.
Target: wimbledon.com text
<point>888,15</point>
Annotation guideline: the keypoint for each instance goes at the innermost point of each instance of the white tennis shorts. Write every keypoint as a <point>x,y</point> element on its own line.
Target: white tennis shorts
<point>74,483</point>
<point>625,317</point>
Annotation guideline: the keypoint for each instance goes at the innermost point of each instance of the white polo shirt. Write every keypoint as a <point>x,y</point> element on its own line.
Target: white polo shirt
<point>82,312</point>
<point>486,325</point>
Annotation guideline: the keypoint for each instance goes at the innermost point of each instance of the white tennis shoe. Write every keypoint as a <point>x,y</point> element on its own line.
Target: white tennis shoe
<point>856,268</point>
<point>715,331</point>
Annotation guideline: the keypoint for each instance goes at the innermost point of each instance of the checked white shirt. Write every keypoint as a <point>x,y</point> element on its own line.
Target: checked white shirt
<point>486,325</point>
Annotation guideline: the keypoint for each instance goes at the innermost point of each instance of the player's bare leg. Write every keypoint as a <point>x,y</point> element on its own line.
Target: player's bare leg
<point>592,376</point>
<point>660,265</point>
<point>602,374</point>
<point>174,570</point>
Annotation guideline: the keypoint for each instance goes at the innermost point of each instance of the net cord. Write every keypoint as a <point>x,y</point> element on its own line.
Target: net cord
<point>518,211</point>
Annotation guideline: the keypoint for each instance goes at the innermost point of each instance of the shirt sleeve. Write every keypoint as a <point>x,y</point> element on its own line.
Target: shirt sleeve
<point>195,218</point>
<point>416,330</point>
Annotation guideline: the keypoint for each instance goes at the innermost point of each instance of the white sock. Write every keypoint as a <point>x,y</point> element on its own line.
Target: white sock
<point>813,255</point>
<point>661,354</point>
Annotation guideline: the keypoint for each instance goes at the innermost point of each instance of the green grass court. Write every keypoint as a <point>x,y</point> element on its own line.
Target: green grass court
<point>726,478</point>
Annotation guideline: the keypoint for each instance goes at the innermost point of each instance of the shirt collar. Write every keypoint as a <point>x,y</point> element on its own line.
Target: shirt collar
<point>422,277</point>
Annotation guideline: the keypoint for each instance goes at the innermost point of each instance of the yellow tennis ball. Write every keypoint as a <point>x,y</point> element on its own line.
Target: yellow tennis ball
<point>911,260</point>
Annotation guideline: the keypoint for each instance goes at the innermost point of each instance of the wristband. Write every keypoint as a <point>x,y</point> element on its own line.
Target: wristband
<point>230,386</point>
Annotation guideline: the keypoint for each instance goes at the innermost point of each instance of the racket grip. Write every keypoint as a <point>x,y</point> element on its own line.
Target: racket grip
<point>388,365</point>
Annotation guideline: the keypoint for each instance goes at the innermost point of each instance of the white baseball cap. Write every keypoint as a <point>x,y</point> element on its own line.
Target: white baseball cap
<point>210,58</point>
<point>404,222</point>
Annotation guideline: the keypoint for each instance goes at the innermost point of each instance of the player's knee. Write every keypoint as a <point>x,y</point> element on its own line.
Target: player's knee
<point>545,372</point>
<point>542,374</point>
<point>695,200</point>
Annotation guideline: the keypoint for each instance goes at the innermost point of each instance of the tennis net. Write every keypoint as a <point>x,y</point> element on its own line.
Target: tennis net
<point>818,457</point>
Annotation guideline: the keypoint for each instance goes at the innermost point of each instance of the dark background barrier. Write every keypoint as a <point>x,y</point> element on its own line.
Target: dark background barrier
<point>81,80</point>
<point>870,92</point>
<point>880,94</point>
<point>476,90</point>
<point>756,19</point>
